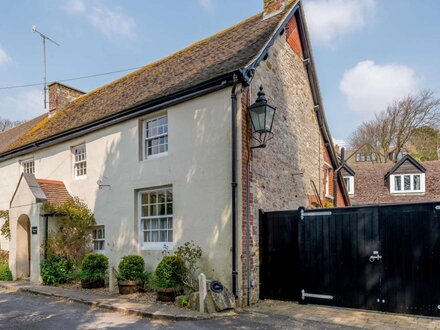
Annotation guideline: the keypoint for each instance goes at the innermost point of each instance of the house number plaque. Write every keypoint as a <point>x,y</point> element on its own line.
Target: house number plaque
<point>34,230</point>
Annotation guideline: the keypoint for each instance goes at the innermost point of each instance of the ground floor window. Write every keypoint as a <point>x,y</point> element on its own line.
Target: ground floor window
<point>98,238</point>
<point>156,218</point>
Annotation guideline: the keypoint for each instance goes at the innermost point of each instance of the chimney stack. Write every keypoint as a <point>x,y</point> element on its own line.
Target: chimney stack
<point>273,7</point>
<point>61,95</point>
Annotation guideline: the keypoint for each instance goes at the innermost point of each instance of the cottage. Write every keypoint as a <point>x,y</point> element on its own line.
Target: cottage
<point>407,181</point>
<point>166,154</point>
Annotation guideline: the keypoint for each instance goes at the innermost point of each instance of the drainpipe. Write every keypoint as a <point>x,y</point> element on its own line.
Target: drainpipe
<point>335,178</point>
<point>46,234</point>
<point>234,186</point>
<point>248,238</point>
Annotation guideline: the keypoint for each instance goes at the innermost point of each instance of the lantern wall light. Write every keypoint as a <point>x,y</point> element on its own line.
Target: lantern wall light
<point>261,115</point>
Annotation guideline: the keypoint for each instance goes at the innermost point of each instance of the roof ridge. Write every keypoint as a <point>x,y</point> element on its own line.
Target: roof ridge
<point>149,65</point>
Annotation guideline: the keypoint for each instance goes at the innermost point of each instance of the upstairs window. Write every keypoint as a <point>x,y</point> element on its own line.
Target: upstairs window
<point>366,157</point>
<point>79,161</point>
<point>407,183</point>
<point>349,183</point>
<point>155,137</point>
<point>28,166</point>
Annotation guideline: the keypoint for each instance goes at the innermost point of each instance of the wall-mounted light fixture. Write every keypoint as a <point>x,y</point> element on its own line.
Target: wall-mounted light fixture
<point>261,116</point>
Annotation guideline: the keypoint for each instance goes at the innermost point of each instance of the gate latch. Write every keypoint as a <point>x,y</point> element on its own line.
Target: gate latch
<point>375,256</point>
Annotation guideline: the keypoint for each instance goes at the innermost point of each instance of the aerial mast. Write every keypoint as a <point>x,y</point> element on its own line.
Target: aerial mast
<point>44,38</point>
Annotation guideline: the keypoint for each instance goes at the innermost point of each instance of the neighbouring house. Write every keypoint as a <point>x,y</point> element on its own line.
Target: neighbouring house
<point>164,155</point>
<point>407,181</point>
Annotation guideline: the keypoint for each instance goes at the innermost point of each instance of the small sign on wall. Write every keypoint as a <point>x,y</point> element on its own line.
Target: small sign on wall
<point>34,230</point>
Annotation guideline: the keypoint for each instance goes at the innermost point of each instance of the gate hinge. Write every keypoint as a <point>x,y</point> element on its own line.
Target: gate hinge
<point>305,295</point>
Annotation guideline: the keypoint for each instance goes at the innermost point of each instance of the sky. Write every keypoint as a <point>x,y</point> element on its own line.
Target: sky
<point>367,52</point>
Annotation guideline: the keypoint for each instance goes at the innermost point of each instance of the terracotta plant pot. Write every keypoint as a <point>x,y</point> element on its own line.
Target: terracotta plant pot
<point>168,294</point>
<point>93,284</point>
<point>128,287</point>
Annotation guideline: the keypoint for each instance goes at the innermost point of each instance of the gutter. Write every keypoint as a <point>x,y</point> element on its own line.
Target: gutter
<point>317,98</point>
<point>137,110</point>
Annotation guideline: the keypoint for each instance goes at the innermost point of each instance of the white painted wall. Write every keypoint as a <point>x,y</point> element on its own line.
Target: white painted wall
<point>197,166</point>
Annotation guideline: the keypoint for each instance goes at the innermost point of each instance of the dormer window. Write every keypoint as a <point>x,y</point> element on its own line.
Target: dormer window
<point>28,166</point>
<point>407,183</point>
<point>407,176</point>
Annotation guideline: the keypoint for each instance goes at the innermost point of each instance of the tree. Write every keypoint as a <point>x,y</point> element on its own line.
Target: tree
<point>6,124</point>
<point>425,142</point>
<point>391,130</point>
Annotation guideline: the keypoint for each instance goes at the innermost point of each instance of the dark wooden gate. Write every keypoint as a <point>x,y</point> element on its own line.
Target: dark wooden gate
<point>279,260</point>
<point>383,258</point>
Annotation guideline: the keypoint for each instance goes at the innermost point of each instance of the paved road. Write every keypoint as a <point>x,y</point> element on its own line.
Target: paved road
<point>25,311</point>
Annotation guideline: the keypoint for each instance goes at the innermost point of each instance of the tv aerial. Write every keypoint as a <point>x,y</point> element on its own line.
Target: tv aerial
<point>44,38</point>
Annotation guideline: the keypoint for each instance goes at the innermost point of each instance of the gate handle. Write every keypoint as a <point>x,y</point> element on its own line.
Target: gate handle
<point>375,256</point>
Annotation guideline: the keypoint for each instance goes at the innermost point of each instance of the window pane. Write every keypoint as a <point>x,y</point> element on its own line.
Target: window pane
<point>407,182</point>
<point>417,182</point>
<point>144,211</point>
<point>155,236</point>
<point>170,235</point>
<point>397,183</point>
<point>147,236</point>
<point>161,209</point>
<point>144,199</point>
<point>161,197</point>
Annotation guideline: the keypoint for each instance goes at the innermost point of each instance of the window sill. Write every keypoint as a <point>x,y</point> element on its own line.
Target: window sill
<point>408,192</point>
<point>163,154</point>
<point>329,196</point>
<point>83,177</point>
<point>159,246</point>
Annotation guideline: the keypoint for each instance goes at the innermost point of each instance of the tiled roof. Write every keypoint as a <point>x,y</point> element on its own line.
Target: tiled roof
<point>223,53</point>
<point>55,191</point>
<point>12,135</point>
<point>372,188</point>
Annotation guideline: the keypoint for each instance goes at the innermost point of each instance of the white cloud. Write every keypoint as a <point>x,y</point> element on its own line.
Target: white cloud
<point>22,105</point>
<point>331,19</point>
<point>370,87</point>
<point>111,22</point>
<point>206,3</point>
<point>4,58</point>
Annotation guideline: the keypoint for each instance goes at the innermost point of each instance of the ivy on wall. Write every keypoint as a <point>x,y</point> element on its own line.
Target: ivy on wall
<point>5,230</point>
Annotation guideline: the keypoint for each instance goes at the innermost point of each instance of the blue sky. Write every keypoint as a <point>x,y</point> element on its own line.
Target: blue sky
<point>368,52</point>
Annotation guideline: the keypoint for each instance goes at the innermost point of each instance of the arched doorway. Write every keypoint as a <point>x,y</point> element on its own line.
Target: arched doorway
<point>23,246</point>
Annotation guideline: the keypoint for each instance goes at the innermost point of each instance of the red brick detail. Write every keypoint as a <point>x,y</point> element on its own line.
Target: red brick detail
<point>293,38</point>
<point>340,199</point>
<point>60,95</point>
<point>246,137</point>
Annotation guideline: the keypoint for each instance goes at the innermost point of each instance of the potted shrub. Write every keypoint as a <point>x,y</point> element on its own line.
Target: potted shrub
<point>131,274</point>
<point>93,271</point>
<point>168,278</point>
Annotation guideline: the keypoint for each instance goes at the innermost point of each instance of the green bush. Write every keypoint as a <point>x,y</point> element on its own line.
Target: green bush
<point>170,273</point>
<point>57,270</point>
<point>93,267</point>
<point>5,273</point>
<point>132,268</point>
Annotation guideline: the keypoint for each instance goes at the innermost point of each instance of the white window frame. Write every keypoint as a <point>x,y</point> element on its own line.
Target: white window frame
<point>145,139</point>
<point>327,182</point>
<point>77,163</point>
<point>25,163</point>
<point>350,186</point>
<point>154,245</point>
<point>97,228</point>
<point>400,177</point>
